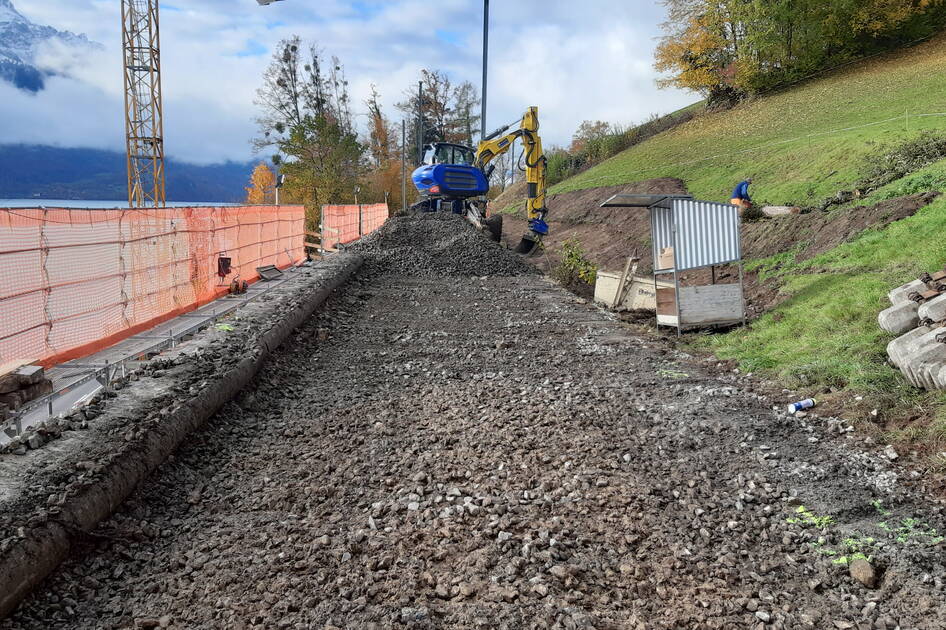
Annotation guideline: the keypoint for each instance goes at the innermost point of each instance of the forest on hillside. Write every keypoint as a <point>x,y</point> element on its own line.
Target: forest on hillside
<point>727,49</point>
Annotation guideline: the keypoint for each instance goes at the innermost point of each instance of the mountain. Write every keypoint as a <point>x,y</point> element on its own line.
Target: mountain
<point>20,40</point>
<point>28,171</point>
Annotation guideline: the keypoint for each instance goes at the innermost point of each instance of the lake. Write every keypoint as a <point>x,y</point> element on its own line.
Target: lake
<point>94,203</point>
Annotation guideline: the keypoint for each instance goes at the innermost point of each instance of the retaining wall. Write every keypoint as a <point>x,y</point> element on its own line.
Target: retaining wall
<point>63,496</point>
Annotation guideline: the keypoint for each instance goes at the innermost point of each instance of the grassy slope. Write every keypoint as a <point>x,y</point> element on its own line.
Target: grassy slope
<point>789,169</point>
<point>826,334</point>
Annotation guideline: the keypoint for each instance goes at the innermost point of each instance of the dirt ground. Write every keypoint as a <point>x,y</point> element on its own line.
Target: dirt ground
<point>609,235</point>
<point>451,450</point>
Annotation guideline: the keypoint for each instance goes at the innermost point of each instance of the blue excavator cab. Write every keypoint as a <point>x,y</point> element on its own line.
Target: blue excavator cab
<point>448,175</point>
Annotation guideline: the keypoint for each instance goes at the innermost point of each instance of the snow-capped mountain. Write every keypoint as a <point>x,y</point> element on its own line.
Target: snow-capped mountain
<point>20,40</point>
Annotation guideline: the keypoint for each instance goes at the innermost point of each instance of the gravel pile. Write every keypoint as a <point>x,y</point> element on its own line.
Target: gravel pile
<point>436,244</point>
<point>400,464</point>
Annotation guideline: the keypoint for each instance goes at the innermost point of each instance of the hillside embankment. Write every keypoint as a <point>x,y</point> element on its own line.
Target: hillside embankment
<point>608,236</point>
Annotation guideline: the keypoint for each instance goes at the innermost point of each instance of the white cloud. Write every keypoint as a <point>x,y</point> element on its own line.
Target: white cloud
<point>576,61</point>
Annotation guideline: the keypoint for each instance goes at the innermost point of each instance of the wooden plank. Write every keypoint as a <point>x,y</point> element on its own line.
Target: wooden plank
<point>711,304</point>
<point>642,296</point>
<point>606,287</point>
<point>313,234</point>
<point>667,302</point>
<point>312,245</point>
<point>619,297</point>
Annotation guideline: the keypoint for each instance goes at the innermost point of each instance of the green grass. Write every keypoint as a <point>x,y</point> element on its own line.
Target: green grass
<point>802,146</point>
<point>769,138</point>
<point>826,333</point>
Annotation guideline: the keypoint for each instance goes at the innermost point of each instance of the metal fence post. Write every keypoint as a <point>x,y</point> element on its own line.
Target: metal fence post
<point>361,230</point>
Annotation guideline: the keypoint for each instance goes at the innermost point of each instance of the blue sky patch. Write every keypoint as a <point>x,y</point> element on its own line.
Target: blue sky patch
<point>366,9</point>
<point>450,37</point>
<point>253,49</point>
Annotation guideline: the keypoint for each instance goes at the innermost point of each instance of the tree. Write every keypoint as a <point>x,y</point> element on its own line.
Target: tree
<point>261,190</point>
<point>323,164</point>
<point>727,48</point>
<point>380,142</point>
<point>448,112</point>
<point>384,178</point>
<point>694,50</point>
<point>588,131</point>
<point>306,117</point>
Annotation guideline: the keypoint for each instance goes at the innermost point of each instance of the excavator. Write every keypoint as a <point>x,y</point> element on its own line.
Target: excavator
<point>454,178</point>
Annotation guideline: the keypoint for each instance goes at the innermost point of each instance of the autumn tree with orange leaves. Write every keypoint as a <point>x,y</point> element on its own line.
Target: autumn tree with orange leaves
<point>727,48</point>
<point>262,188</point>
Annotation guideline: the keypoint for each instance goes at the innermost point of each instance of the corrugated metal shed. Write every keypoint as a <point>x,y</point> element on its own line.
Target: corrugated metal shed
<point>707,234</point>
<point>633,200</point>
<point>690,234</point>
<point>701,233</point>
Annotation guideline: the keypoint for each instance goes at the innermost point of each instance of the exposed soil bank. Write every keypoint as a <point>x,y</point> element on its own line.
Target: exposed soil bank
<point>609,235</point>
<point>456,451</point>
<point>82,479</point>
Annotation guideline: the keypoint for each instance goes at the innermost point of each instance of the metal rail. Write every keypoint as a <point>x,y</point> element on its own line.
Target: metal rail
<point>107,372</point>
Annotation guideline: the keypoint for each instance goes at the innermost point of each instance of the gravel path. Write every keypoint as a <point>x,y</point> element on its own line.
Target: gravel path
<point>455,451</point>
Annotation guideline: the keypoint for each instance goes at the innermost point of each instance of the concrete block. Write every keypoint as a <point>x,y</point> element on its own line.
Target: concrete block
<point>926,365</point>
<point>16,376</point>
<point>899,318</point>
<point>916,352</point>
<point>31,374</point>
<point>939,377</point>
<point>902,293</point>
<point>934,310</point>
<point>899,347</point>
<point>13,400</point>
<point>37,390</point>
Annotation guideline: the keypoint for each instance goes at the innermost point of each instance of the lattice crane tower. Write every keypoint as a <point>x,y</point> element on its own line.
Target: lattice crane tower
<point>144,115</point>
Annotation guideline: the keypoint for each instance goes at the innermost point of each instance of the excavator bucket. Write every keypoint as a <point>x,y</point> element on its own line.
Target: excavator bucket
<point>528,245</point>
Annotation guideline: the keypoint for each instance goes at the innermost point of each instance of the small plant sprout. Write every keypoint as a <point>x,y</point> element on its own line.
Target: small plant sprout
<point>913,529</point>
<point>879,506</point>
<point>807,518</point>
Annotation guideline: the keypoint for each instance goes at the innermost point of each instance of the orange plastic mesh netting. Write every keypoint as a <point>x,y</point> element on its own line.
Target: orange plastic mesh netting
<point>347,223</point>
<point>77,280</point>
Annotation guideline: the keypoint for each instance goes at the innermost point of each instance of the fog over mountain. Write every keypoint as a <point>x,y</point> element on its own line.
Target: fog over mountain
<point>22,44</point>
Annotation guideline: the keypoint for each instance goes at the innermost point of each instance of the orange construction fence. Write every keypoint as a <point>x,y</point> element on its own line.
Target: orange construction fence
<point>75,281</point>
<point>347,223</point>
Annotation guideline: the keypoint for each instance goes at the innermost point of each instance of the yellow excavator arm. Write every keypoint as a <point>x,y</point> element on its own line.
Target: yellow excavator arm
<point>498,143</point>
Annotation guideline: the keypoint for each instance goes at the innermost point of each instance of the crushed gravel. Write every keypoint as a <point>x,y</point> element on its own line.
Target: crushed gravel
<point>432,244</point>
<point>401,463</point>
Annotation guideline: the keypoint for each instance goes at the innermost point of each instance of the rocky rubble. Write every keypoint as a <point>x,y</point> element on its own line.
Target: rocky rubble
<point>467,452</point>
<point>436,244</point>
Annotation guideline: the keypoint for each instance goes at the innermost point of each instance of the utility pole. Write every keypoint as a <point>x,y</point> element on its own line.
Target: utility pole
<point>469,128</point>
<point>420,122</point>
<point>144,115</point>
<point>485,63</point>
<point>403,166</point>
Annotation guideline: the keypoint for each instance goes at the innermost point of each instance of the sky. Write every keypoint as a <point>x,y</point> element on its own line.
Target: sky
<point>589,60</point>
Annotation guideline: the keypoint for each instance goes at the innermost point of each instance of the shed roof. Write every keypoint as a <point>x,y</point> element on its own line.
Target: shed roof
<point>634,200</point>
